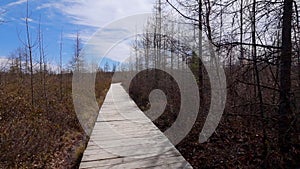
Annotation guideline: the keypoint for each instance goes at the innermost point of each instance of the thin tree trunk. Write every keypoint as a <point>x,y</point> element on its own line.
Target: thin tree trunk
<point>200,75</point>
<point>40,49</point>
<point>60,66</point>
<point>159,43</point>
<point>257,75</point>
<point>20,66</point>
<point>241,32</point>
<point>29,46</point>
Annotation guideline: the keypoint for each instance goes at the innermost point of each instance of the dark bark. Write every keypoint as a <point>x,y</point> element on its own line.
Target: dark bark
<point>200,76</point>
<point>60,66</point>
<point>285,78</point>
<point>257,78</point>
<point>29,46</point>
<point>241,32</point>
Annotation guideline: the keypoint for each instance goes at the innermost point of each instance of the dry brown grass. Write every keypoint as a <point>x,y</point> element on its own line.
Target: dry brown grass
<point>48,134</point>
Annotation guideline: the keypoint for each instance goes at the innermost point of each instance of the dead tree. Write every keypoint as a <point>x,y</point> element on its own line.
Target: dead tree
<point>257,75</point>
<point>60,65</point>
<point>285,111</point>
<point>30,47</point>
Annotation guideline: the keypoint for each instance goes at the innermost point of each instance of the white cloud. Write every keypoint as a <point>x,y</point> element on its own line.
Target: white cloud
<point>113,41</point>
<point>19,2</point>
<point>4,62</point>
<point>119,52</point>
<point>98,13</point>
<point>29,19</point>
<point>53,67</point>
<point>84,35</point>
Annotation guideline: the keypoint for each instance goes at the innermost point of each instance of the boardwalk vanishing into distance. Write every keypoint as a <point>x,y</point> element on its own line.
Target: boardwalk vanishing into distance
<point>123,137</point>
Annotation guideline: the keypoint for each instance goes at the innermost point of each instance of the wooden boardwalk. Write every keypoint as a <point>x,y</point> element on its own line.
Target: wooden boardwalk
<point>123,137</point>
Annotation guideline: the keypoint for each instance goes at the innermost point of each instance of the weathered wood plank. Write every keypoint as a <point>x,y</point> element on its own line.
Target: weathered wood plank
<point>123,137</point>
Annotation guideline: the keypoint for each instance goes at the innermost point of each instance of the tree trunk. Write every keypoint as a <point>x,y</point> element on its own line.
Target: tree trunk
<point>285,77</point>
<point>60,66</point>
<point>257,78</point>
<point>241,32</point>
<point>29,46</point>
<point>200,58</point>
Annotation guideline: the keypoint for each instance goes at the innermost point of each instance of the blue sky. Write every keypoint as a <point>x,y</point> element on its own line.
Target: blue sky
<point>84,16</point>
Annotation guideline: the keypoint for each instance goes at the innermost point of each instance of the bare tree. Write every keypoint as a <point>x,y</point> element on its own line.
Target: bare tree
<point>60,65</point>
<point>77,62</point>
<point>241,31</point>
<point>257,75</point>
<point>106,67</point>
<point>30,47</point>
<point>285,77</point>
<point>200,71</point>
<point>40,48</point>
<point>42,63</point>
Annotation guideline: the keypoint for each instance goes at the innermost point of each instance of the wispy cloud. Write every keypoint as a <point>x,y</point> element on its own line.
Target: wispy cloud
<point>84,35</point>
<point>97,13</point>
<point>28,19</point>
<point>93,15</point>
<point>19,2</point>
<point>119,52</point>
<point>90,15</point>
